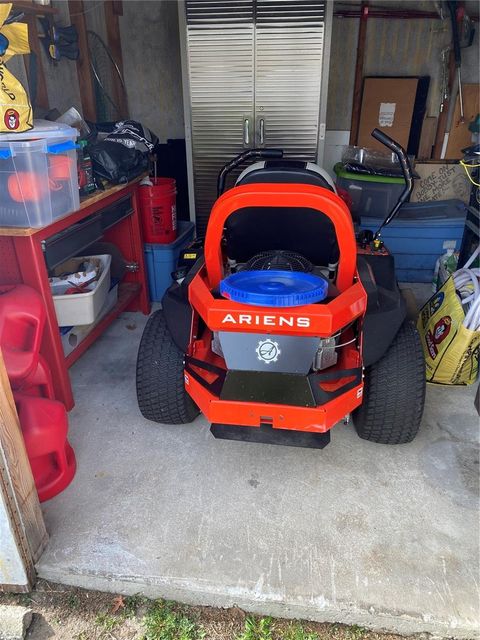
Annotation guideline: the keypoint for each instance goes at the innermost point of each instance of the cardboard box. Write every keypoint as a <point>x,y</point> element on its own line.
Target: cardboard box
<point>397,107</point>
<point>440,181</point>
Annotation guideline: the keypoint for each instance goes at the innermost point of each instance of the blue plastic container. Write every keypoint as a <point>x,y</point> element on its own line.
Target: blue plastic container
<point>161,260</point>
<point>274,288</point>
<point>420,234</point>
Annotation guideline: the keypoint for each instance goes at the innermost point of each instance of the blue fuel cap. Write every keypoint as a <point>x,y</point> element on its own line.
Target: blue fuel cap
<point>274,288</point>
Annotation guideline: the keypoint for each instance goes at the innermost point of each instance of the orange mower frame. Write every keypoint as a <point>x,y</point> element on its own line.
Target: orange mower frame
<point>337,392</point>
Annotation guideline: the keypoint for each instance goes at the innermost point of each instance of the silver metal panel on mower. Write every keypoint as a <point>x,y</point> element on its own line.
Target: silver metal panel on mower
<point>262,352</point>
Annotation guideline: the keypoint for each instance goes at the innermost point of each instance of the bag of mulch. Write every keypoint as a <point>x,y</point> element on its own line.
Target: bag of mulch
<point>121,150</point>
<point>451,350</point>
<point>15,108</point>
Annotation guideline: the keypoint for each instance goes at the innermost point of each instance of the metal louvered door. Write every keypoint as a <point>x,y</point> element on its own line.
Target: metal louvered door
<point>289,44</point>
<point>220,51</point>
<point>257,76</point>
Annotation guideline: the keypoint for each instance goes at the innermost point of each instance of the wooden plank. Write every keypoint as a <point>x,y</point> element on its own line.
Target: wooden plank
<point>115,45</point>
<point>460,137</point>
<point>427,138</point>
<point>84,70</point>
<point>41,97</point>
<point>30,8</point>
<point>357,87</point>
<point>17,480</point>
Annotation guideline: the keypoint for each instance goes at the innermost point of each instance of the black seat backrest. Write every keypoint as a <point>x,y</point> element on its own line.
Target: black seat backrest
<point>286,172</point>
<point>306,231</point>
<point>255,229</point>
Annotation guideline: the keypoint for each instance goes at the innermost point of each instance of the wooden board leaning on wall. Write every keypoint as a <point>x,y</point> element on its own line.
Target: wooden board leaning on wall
<point>460,137</point>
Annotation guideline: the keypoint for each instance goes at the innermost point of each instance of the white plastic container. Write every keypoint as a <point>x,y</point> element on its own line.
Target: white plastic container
<point>73,336</point>
<point>83,308</point>
<point>38,175</point>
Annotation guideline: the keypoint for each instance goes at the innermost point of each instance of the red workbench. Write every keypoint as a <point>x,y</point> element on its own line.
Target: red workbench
<point>22,259</point>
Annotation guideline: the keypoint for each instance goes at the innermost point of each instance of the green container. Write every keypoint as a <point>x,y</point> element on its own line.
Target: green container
<point>372,196</point>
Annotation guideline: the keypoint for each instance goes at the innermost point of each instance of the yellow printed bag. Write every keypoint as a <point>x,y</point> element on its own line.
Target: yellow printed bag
<point>451,350</point>
<point>15,108</point>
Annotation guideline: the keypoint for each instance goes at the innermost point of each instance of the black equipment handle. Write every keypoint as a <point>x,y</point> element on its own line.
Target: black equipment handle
<point>401,154</point>
<point>240,159</point>
<point>452,7</point>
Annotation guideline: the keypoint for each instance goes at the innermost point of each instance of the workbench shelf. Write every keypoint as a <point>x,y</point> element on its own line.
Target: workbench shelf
<point>26,255</point>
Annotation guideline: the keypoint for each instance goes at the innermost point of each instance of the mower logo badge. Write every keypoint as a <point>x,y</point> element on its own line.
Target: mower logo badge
<point>268,351</point>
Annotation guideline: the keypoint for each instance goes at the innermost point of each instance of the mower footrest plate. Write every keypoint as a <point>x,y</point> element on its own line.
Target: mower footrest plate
<point>266,434</point>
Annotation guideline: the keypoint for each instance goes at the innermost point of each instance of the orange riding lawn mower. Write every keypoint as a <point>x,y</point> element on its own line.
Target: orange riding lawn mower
<point>288,323</point>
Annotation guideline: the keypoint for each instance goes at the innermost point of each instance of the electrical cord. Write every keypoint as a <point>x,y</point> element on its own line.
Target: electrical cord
<point>467,285</point>
<point>470,166</point>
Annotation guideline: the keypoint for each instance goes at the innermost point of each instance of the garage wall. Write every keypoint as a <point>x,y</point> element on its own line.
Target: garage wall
<point>12,571</point>
<point>409,47</point>
<point>152,66</point>
<point>61,78</point>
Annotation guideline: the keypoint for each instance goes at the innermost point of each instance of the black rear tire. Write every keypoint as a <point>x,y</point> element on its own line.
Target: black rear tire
<point>394,392</point>
<point>161,391</point>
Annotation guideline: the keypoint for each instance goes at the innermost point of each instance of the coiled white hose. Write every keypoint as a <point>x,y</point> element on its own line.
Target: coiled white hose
<point>467,285</point>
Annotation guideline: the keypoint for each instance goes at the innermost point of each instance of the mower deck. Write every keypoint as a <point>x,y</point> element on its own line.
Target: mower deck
<point>265,434</point>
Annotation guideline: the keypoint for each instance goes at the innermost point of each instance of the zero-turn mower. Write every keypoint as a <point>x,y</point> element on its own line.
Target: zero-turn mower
<point>289,323</point>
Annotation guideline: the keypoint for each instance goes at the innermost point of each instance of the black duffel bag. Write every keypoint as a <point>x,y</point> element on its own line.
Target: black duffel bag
<point>121,154</point>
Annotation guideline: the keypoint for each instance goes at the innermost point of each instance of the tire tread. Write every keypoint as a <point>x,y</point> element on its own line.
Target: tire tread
<point>394,392</point>
<point>160,384</point>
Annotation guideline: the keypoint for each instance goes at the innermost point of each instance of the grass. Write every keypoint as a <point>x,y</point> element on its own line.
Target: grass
<point>295,631</point>
<point>77,614</point>
<point>266,629</point>
<point>168,621</point>
<point>257,629</point>
<point>107,621</point>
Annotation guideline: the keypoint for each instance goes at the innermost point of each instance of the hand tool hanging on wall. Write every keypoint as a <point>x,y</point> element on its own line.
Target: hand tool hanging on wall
<point>452,7</point>
<point>59,42</point>
<point>462,38</point>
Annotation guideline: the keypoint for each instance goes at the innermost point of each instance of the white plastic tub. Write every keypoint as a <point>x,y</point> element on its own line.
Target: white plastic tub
<point>38,175</point>
<point>73,336</point>
<point>83,308</point>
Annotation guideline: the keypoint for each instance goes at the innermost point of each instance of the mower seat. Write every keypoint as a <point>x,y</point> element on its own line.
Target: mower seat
<point>286,172</point>
<point>305,231</point>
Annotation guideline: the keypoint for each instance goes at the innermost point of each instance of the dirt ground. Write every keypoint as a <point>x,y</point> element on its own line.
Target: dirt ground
<point>67,613</point>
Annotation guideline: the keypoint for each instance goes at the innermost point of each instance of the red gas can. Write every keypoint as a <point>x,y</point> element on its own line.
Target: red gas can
<point>159,211</point>
<point>44,426</point>
<point>22,319</point>
<point>39,382</point>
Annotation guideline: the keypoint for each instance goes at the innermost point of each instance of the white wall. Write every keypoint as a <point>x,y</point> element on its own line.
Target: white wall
<point>12,571</point>
<point>152,66</point>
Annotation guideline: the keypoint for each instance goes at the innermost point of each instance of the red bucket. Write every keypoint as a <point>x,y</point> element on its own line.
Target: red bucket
<point>158,210</point>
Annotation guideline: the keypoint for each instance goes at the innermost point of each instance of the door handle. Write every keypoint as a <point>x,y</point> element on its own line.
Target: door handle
<point>246,132</point>
<point>261,130</point>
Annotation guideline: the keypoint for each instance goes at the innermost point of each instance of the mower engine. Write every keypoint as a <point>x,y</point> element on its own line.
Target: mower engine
<point>325,355</point>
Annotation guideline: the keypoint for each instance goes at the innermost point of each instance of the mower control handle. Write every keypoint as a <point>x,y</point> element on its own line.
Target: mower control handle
<point>401,154</point>
<point>240,159</point>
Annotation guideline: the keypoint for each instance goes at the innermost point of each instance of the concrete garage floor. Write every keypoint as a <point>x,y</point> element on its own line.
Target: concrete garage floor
<point>384,537</point>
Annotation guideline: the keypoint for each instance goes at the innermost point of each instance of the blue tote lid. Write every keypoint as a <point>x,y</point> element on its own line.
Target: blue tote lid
<point>274,288</point>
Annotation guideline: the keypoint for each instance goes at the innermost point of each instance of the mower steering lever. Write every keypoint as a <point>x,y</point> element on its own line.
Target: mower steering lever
<point>240,159</point>
<point>401,154</point>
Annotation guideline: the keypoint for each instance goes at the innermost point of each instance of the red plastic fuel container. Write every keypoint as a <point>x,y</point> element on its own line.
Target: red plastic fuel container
<point>158,211</point>
<point>22,319</point>
<point>44,426</point>
<point>39,383</point>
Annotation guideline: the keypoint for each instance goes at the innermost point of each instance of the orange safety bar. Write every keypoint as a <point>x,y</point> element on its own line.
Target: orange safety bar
<point>282,196</point>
